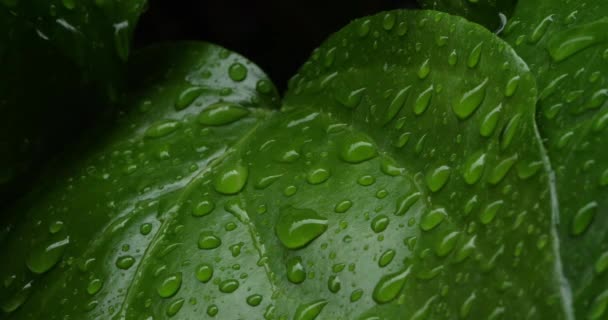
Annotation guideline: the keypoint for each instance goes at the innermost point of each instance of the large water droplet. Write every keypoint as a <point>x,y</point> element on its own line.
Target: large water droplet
<point>232,179</point>
<point>187,96</point>
<point>207,240</point>
<point>204,272</point>
<point>356,149</point>
<point>474,56</point>
<point>423,100</point>
<point>565,43</point>
<point>389,286</point>
<point>396,104</point>
<point>473,167</point>
<point>470,100</point>
<point>310,311</point>
<point>44,257</point>
<point>221,113</point>
<point>583,218</point>
<point>405,203</point>
<point>237,71</point>
<point>162,129</point>
<point>298,227</point>
<point>432,219</point>
<point>229,285</point>
<point>438,177</point>
<point>170,285</point>
<point>295,270</point>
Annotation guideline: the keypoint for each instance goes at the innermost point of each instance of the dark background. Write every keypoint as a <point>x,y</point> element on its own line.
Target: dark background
<point>278,35</point>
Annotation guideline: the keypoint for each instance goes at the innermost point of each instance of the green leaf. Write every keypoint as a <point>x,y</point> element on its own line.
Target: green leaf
<point>489,13</point>
<point>61,59</point>
<point>567,46</point>
<point>119,194</point>
<point>402,178</point>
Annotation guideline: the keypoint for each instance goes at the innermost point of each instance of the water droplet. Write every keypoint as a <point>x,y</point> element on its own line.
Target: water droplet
<point>380,223</point>
<point>222,113</point>
<point>490,211</point>
<point>349,99</point>
<point>290,190</point>
<point>511,86</point>
<point>389,286</point>
<point>289,156</point>
<point>501,169</point>
<point>264,86</point>
<point>438,177</point>
<point>229,285</point>
<point>465,308</point>
<point>295,270</point>
<point>187,96</point>
<point>55,227</point>
<point>432,219</point>
<point>232,179</point>
<point>310,311</point>
<point>170,285</point>
<point>296,228</point>
<point>396,104</point>
<point>94,286</point>
<point>333,284</point>
<point>402,140</point>
<point>207,240</point>
<point>330,57</point>
<point>447,244</point>
<point>125,262</point>
<point>203,208</point>
<point>254,300</point>
<point>212,310</point>
<point>583,217</point>
<point>175,307</point>
<point>44,257</point>
<point>405,203</point>
<point>474,56</point>
<point>237,71</point>
<point>453,58</point>
<point>364,28</point>
<point>509,132</point>
<point>145,228</point>
<point>386,258</point>
<point>368,180</point>
<point>121,39</point>
<point>424,100</point>
<point>473,167</point>
<point>470,100</point>
<point>69,4</point>
<point>317,176</point>
<point>343,206</point>
<point>566,43</point>
<point>604,178</point>
<point>489,122</point>
<point>162,129</point>
<point>541,29</point>
<point>204,272</point>
<point>388,21</point>
<point>599,306</point>
<point>601,265</point>
<point>357,149</point>
<point>424,69</point>
<point>15,301</point>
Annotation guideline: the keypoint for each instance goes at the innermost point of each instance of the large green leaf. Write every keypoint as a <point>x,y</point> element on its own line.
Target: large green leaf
<point>403,178</point>
<point>60,60</point>
<point>566,45</point>
<point>485,12</point>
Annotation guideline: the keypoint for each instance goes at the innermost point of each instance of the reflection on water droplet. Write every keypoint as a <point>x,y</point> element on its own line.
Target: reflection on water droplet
<point>389,286</point>
<point>296,228</point>
<point>44,257</point>
<point>170,285</point>
<point>232,179</point>
<point>222,113</point>
<point>237,71</point>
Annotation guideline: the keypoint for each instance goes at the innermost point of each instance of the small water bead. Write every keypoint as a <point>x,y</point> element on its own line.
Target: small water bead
<point>583,218</point>
<point>396,104</point>
<point>386,258</point>
<point>601,265</point>
<point>333,284</point>
<point>289,156</point>
<point>424,69</point>
<point>380,223</point>
<point>237,71</point>
<point>207,240</point>
<point>175,307</point>
<point>317,176</point>
<point>474,167</point>
<point>125,262</point>
<point>423,100</point>
<point>453,58</point>
<point>229,285</point>
<point>511,86</point>
<point>447,244</point>
<point>406,202</point>
<point>357,149</point>
<point>490,211</point>
<point>290,190</point>
<point>356,295</point>
<point>350,99</point>
<point>212,310</point>
<point>364,28</point>
<point>389,286</point>
<point>490,121</point>
<point>343,206</point>
<point>604,178</point>
<point>296,273</point>
<point>266,181</point>
<point>264,86</point>
<point>145,228</point>
<point>470,100</point>
<point>381,194</point>
<point>296,228</point>
<point>402,140</point>
<point>475,56</point>
<point>94,286</point>
<point>222,113</point>
<point>432,219</point>
<point>388,21</point>
<point>161,129</point>
<point>390,167</point>
<point>187,97</point>
<point>203,208</point>
<point>254,300</point>
<point>541,29</point>
<point>501,169</point>
<point>170,285</point>
<point>310,311</point>
<point>368,180</point>
<point>232,179</point>
<point>509,131</point>
<point>437,178</point>
<point>204,272</point>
